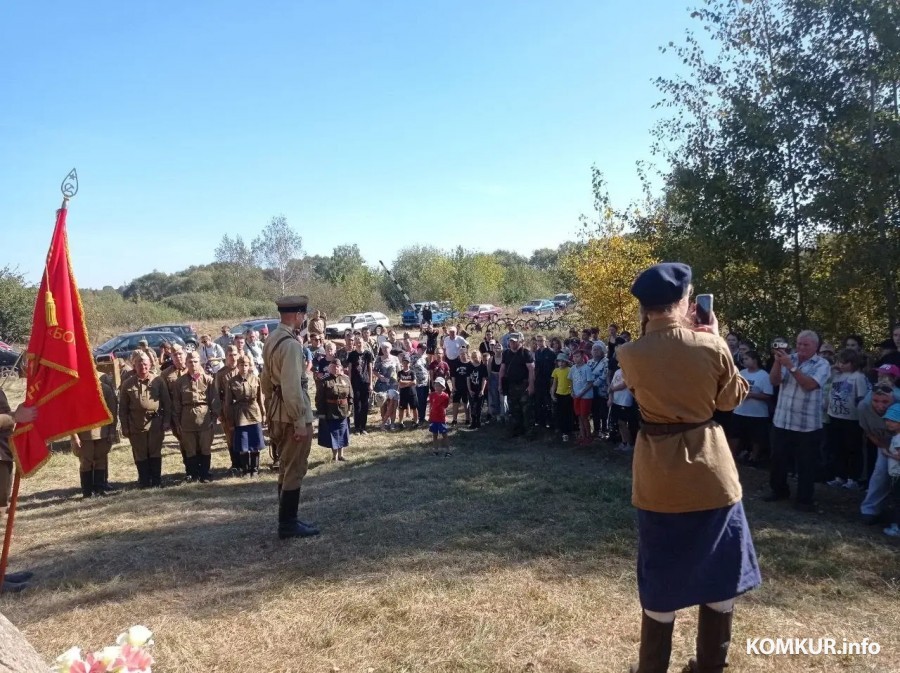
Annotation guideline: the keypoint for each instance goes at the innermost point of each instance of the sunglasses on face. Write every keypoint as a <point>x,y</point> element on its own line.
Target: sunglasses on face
<point>884,390</point>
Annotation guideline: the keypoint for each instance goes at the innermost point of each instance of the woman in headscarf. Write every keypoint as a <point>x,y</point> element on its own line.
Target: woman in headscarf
<point>244,408</point>
<point>694,544</point>
<point>334,400</point>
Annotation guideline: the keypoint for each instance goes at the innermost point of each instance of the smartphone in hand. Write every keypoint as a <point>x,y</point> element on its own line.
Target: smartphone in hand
<point>704,309</point>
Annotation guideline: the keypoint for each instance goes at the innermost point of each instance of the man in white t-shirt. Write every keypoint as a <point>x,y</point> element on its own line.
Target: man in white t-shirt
<point>453,344</point>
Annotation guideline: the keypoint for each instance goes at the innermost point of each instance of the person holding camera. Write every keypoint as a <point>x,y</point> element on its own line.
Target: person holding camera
<point>797,424</point>
<point>694,543</point>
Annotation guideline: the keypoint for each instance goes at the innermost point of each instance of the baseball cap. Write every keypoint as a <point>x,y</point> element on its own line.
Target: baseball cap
<point>826,348</point>
<point>893,413</point>
<point>405,357</point>
<point>515,336</point>
<point>890,370</point>
<point>439,381</point>
<point>562,357</point>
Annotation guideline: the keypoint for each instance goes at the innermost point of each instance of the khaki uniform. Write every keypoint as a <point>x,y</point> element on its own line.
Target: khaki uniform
<point>97,443</point>
<point>144,405</point>
<point>170,375</point>
<point>243,401</point>
<point>316,326</point>
<point>284,385</point>
<point>7,423</point>
<point>195,405</point>
<point>154,359</point>
<point>223,376</point>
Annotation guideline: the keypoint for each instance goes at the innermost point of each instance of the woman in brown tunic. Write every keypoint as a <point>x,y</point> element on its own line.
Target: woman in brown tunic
<point>244,410</point>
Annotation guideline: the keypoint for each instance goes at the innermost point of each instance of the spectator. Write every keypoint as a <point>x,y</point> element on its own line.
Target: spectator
<point>431,338</point>
<point>427,315</point>
<point>620,415</point>
<point>317,324</point>
<point>485,345</point>
<point>360,364</point>
<point>453,344</point>
<point>587,343</point>
<point>367,340</point>
<point>394,341</point>
<point>406,379</point>
<point>317,344</point>
<point>612,335</point>
<point>243,405</point>
<point>734,346</point>
<point>748,431</point>
<point>380,337</point>
<point>386,383</point>
<point>254,348</point>
<point>582,395</point>
<point>460,371</point>
<point>504,340</point>
<point>240,342</point>
<point>556,345</point>
<point>420,369</point>
<point>264,333</point>
<point>561,392</point>
<point>477,383</point>
<point>600,406</point>
<point>334,400</point>
<point>826,350</point>
<point>517,382</point>
<point>438,368</point>
<point>892,421</point>
<point>438,401</point>
<point>225,339</point>
<point>853,342</point>
<point>496,398</point>
<point>212,355</point>
<point>345,348</point>
<point>889,350</point>
<point>165,355</point>
<point>544,366</point>
<point>843,438</point>
<point>871,420</point>
<point>797,425</point>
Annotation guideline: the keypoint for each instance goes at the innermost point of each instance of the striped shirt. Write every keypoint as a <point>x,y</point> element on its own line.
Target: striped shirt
<point>801,410</point>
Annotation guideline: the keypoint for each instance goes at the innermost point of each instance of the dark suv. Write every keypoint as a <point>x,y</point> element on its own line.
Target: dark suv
<point>185,331</point>
<point>124,345</point>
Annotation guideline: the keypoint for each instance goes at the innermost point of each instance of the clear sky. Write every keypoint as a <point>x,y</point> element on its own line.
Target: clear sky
<point>378,122</point>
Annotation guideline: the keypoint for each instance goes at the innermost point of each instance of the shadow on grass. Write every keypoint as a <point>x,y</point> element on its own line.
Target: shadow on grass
<point>493,505</point>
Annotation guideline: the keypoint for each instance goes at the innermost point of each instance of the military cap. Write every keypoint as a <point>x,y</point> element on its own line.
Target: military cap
<point>662,284</point>
<point>293,304</point>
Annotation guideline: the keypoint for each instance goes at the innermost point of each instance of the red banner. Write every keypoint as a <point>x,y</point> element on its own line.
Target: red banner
<point>62,381</point>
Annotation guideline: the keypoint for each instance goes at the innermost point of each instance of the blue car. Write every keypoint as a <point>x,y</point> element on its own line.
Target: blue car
<point>538,306</point>
<point>439,315</point>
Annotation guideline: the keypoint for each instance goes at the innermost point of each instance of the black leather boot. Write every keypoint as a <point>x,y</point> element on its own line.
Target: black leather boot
<point>288,525</point>
<point>713,640</point>
<point>656,646</point>
<point>191,467</point>
<point>143,473</point>
<point>155,465</point>
<point>101,486</point>
<point>254,464</point>
<point>87,484</point>
<point>204,462</point>
<point>245,464</point>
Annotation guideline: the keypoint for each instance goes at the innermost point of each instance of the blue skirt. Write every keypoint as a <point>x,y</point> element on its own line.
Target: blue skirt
<point>248,438</point>
<point>334,434</point>
<point>694,558</point>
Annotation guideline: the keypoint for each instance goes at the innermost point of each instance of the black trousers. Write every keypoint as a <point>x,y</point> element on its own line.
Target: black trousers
<point>360,406</point>
<point>565,413</point>
<point>475,404</point>
<point>790,448</point>
<point>844,449</point>
<point>543,404</point>
<point>600,412</point>
<point>422,402</point>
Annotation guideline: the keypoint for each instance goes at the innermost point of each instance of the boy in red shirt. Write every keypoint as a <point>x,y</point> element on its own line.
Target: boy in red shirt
<point>438,401</point>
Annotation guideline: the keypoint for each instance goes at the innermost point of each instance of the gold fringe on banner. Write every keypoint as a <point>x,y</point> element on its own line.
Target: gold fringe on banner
<point>50,307</point>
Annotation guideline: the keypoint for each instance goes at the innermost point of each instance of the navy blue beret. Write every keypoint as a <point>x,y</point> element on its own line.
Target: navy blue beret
<point>662,284</point>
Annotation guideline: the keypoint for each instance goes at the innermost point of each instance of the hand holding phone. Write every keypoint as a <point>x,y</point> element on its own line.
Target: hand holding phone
<point>704,309</point>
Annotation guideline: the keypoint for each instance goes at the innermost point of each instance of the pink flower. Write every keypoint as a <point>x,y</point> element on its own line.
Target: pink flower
<point>136,659</point>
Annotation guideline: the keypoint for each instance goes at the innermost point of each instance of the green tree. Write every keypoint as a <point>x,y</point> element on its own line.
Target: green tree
<point>16,305</point>
<point>276,247</point>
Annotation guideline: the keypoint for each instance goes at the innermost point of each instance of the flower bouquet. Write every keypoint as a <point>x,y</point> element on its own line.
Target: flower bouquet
<point>128,655</point>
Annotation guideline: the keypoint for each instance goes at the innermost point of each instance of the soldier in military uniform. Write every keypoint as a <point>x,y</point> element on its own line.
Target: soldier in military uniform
<point>195,407</point>
<point>170,375</point>
<point>223,377</point>
<point>93,446</point>
<point>144,412</point>
<point>284,385</point>
<point>14,582</point>
<point>144,348</point>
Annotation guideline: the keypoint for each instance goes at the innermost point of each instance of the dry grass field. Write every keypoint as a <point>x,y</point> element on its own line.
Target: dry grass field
<point>508,557</point>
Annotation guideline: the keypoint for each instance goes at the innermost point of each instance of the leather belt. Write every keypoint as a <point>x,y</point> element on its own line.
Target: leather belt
<point>662,429</point>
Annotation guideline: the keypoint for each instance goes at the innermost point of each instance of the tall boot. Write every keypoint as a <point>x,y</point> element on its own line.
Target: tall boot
<point>288,525</point>
<point>713,640</point>
<point>143,473</point>
<point>656,646</point>
<point>191,468</point>
<point>101,485</point>
<point>244,464</point>
<point>254,464</point>
<point>155,465</point>
<point>204,462</point>
<point>87,484</point>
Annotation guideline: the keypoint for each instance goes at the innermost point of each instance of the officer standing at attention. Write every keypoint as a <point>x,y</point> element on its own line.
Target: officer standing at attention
<point>170,375</point>
<point>144,347</point>
<point>93,446</point>
<point>144,411</point>
<point>223,376</point>
<point>694,544</point>
<point>195,407</point>
<point>284,385</point>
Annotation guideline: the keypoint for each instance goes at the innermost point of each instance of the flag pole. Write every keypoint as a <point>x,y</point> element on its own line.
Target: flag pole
<point>69,188</point>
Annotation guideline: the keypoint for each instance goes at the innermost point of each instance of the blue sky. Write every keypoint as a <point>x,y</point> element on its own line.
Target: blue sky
<point>381,123</point>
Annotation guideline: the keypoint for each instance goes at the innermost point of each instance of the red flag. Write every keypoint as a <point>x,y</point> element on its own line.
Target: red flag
<point>62,381</point>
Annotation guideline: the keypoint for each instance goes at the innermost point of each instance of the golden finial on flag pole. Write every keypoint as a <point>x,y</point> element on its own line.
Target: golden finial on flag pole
<point>69,188</point>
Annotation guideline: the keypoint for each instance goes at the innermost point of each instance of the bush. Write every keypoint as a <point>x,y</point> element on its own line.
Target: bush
<point>206,306</point>
<point>16,306</point>
<point>107,313</point>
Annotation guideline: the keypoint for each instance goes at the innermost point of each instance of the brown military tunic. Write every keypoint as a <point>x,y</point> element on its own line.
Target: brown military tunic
<point>170,375</point>
<point>7,423</point>
<point>195,405</point>
<point>243,401</point>
<point>223,376</point>
<point>97,443</point>
<point>154,359</point>
<point>144,407</point>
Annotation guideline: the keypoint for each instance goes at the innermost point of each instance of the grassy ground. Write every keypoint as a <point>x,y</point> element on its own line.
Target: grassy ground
<point>508,557</point>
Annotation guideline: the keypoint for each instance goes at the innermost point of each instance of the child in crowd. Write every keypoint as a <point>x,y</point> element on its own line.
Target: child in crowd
<point>582,379</point>
<point>561,392</point>
<point>438,401</point>
<point>461,386</point>
<point>892,422</point>
<point>622,410</point>
<point>843,436</point>
<point>477,383</point>
<point>406,378</point>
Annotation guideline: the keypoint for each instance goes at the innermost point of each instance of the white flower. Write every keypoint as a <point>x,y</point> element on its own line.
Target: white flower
<point>65,660</point>
<point>108,654</point>
<point>136,636</point>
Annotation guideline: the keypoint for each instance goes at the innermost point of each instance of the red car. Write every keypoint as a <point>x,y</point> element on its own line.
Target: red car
<point>482,312</point>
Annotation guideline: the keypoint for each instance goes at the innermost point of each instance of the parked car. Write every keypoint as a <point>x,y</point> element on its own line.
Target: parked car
<point>482,312</point>
<point>351,321</point>
<point>11,361</point>
<point>256,324</point>
<point>538,306</point>
<point>564,300</point>
<point>439,314</point>
<point>185,331</point>
<point>124,345</point>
